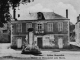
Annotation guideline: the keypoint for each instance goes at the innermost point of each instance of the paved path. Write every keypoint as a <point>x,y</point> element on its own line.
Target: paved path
<point>17,53</point>
<point>4,45</point>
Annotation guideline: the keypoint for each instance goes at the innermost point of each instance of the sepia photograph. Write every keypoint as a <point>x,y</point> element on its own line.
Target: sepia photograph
<point>39,29</point>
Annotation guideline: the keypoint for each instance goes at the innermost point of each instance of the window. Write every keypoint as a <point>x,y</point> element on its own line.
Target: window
<point>28,25</point>
<point>19,27</point>
<point>50,27</point>
<point>40,16</point>
<point>60,26</point>
<point>40,28</point>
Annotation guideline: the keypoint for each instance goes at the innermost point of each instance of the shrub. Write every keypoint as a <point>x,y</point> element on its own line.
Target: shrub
<point>4,38</point>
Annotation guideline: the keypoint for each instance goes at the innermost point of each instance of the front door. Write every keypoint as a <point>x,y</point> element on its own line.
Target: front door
<point>19,42</point>
<point>60,43</point>
<point>39,42</point>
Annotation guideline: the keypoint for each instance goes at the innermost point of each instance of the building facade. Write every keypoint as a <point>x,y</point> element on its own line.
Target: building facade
<point>77,31</point>
<point>49,30</point>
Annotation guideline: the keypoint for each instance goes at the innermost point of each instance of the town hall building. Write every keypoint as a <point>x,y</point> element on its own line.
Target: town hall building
<point>49,30</point>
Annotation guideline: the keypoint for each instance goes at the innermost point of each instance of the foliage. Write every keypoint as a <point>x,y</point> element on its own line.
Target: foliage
<point>4,40</point>
<point>4,9</point>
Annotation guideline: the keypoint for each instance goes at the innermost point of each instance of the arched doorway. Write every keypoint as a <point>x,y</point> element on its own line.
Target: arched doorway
<point>39,42</point>
<point>60,42</point>
<point>19,42</point>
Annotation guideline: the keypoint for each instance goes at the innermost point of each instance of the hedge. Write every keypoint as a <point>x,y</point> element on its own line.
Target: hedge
<point>4,38</point>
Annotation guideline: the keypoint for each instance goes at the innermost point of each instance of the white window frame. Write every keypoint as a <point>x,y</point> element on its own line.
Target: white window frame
<point>50,26</point>
<point>40,30</point>
<point>39,27</point>
<point>60,26</point>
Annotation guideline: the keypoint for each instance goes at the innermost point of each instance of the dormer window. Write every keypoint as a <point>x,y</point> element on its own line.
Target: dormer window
<point>40,16</point>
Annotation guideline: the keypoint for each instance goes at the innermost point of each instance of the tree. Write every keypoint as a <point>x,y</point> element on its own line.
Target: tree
<point>4,9</point>
<point>72,32</point>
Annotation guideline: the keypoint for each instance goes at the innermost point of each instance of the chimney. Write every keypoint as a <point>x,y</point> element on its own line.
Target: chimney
<point>66,13</point>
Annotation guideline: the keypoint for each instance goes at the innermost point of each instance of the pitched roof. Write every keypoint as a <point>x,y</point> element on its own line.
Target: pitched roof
<point>52,15</point>
<point>49,15</point>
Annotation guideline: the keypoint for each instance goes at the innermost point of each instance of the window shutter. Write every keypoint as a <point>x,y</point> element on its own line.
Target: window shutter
<point>24,27</point>
<point>45,27</point>
<point>65,27</point>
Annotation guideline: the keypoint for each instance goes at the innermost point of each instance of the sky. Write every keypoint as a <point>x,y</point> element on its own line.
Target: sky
<point>57,6</point>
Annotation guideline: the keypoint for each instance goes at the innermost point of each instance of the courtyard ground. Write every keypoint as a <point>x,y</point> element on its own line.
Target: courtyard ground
<point>6,52</point>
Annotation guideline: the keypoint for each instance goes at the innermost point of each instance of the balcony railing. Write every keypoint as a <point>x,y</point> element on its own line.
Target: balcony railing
<point>39,31</point>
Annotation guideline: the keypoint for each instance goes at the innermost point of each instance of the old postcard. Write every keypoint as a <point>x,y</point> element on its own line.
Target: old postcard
<point>39,30</point>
